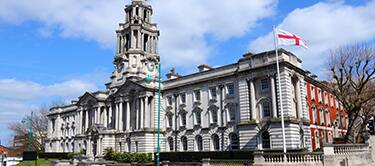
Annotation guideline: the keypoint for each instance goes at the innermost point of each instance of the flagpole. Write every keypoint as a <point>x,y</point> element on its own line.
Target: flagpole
<point>280,92</point>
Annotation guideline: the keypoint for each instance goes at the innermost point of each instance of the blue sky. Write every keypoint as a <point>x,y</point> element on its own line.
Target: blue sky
<point>52,51</point>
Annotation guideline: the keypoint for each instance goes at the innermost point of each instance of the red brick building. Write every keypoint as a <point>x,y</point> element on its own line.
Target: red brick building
<point>327,118</point>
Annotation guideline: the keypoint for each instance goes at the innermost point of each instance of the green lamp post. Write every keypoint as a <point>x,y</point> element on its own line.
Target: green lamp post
<point>149,79</point>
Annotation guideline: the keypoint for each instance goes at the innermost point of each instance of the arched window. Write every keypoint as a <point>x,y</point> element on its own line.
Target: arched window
<point>184,143</point>
<point>266,109</point>
<point>216,142</point>
<point>170,143</point>
<point>234,141</point>
<point>266,140</point>
<point>199,143</point>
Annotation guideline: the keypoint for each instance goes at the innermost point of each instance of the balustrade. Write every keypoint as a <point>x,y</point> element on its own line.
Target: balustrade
<point>293,157</point>
<point>350,148</point>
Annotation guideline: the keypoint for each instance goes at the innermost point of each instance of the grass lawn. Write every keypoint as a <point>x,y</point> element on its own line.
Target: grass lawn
<point>41,162</point>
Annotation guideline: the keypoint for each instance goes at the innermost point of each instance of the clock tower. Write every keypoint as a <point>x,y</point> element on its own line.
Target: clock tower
<point>137,40</point>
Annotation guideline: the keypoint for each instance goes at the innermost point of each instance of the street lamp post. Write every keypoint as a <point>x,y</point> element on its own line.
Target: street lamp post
<point>159,96</point>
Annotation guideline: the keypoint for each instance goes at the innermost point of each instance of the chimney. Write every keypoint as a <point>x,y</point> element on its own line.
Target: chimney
<point>204,67</point>
<point>172,74</point>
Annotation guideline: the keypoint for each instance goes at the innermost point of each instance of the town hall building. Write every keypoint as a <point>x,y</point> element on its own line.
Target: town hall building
<point>232,107</point>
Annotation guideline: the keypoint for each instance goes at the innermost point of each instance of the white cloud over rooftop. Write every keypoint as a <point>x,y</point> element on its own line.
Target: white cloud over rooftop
<point>326,26</point>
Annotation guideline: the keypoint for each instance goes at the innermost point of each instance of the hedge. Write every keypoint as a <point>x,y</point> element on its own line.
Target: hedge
<point>198,156</point>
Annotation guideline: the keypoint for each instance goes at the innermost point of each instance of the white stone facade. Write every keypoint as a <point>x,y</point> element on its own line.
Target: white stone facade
<point>225,108</point>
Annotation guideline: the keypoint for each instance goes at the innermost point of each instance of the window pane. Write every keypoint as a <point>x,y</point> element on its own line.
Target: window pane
<point>197,94</point>
<point>198,116</point>
<point>264,84</point>
<point>266,109</point>
<point>213,92</point>
<point>214,116</point>
<point>183,97</point>
<point>230,88</point>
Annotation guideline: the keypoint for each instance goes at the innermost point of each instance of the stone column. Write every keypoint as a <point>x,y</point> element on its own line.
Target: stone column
<point>141,112</point>
<point>273,94</point>
<point>98,110</point>
<point>142,41</point>
<point>136,113</point>
<point>116,117</point>
<point>121,123</point>
<point>80,121</point>
<point>118,44</point>
<point>253,101</point>
<point>110,118</point>
<point>86,120</point>
<point>128,115</point>
<point>147,113</point>
<point>298,98</point>
<point>105,111</point>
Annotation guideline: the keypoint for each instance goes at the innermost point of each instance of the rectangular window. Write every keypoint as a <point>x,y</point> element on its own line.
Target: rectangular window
<point>213,94</point>
<point>315,115</point>
<point>320,95</point>
<point>264,84</point>
<point>232,113</point>
<point>183,98</point>
<point>197,95</point>
<point>170,120</point>
<point>312,92</point>
<point>213,116</point>
<point>230,89</point>
<point>197,118</point>
<point>170,102</point>
<point>328,118</point>
<point>183,119</point>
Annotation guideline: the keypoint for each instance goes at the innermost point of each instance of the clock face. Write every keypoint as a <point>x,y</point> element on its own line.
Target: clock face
<point>150,66</point>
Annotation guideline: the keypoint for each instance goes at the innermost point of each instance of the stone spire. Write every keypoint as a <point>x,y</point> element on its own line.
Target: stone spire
<point>137,40</point>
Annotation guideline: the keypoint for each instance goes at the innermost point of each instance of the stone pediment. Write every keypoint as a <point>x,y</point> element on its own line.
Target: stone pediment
<point>131,87</point>
<point>86,99</point>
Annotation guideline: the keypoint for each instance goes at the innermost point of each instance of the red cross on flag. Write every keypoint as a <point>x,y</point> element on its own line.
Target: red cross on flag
<point>287,39</point>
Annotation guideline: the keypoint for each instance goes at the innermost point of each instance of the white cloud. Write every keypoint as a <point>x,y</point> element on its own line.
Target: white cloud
<point>91,19</point>
<point>184,24</point>
<point>326,25</point>
<point>27,90</point>
<point>19,97</point>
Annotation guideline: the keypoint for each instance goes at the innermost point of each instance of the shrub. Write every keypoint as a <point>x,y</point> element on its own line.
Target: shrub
<point>108,153</point>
